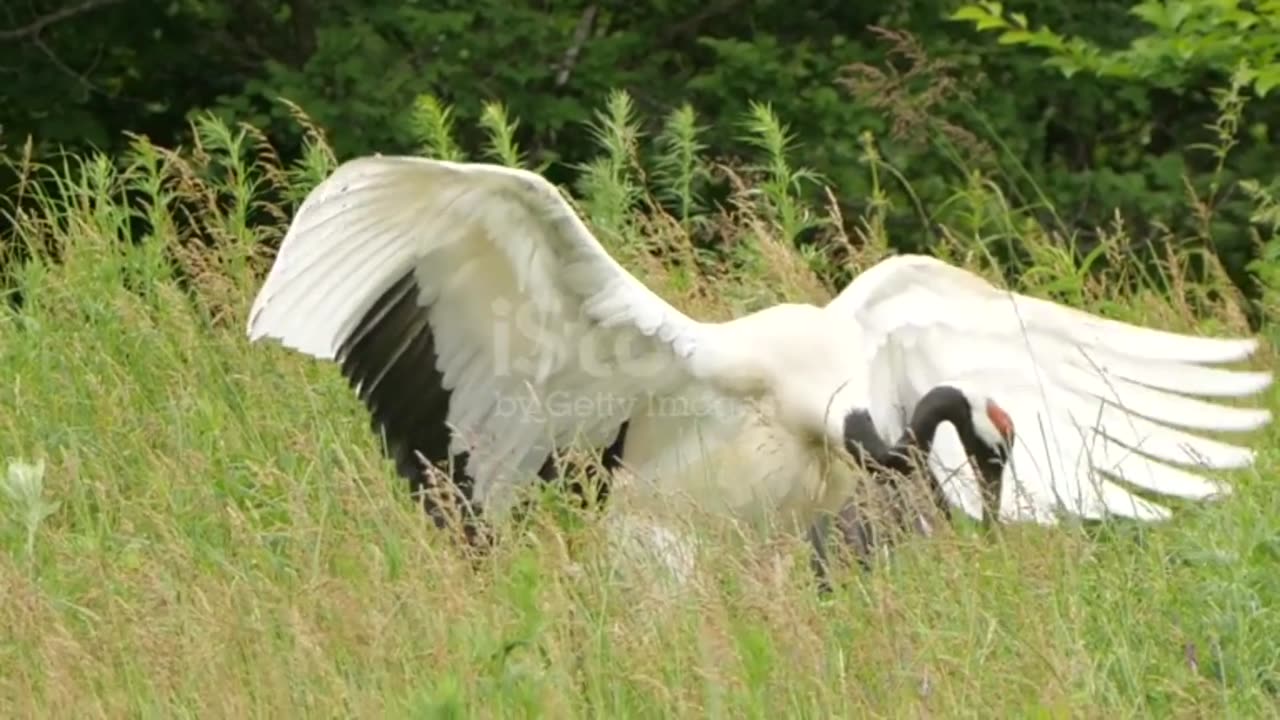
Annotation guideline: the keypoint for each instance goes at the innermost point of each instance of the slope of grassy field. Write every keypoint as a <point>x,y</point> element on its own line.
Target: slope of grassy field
<point>196,527</point>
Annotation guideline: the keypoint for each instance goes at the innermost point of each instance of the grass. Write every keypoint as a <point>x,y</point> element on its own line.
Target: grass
<point>215,533</point>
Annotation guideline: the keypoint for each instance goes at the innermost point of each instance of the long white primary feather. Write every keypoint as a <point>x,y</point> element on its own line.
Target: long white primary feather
<point>517,306</point>
<point>1093,400</point>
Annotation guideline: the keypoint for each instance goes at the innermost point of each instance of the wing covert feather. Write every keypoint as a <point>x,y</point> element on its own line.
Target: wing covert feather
<point>532,334</point>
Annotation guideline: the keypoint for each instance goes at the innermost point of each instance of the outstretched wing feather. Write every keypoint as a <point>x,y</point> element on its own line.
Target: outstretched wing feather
<point>1094,402</point>
<point>514,301</point>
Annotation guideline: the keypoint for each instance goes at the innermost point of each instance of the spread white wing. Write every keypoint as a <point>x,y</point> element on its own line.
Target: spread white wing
<point>1092,400</point>
<point>470,297</point>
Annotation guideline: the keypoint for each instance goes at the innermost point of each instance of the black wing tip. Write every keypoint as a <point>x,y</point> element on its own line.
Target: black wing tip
<point>390,360</point>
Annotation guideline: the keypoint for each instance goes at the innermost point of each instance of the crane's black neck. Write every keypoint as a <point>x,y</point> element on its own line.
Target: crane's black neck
<point>941,404</point>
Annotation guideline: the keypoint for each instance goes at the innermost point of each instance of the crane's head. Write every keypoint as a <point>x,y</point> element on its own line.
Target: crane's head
<point>985,420</point>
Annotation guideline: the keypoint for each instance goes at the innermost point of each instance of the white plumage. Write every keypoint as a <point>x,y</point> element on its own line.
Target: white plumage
<point>1083,391</point>
<point>473,296</point>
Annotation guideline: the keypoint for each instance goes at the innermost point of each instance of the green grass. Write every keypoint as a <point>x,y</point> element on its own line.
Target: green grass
<point>217,534</point>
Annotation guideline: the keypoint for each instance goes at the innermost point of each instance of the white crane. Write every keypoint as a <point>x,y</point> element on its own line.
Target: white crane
<point>479,319</point>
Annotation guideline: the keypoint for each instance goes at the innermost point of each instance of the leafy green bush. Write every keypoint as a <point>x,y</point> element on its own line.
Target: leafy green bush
<point>1185,38</point>
<point>1236,45</point>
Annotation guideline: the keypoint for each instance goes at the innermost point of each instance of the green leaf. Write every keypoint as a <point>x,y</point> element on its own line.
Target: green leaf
<point>1013,37</point>
<point>1046,38</point>
<point>1066,66</point>
<point>1177,13</point>
<point>1243,20</point>
<point>992,21</point>
<point>1266,79</point>
<point>968,12</point>
<point>1154,13</point>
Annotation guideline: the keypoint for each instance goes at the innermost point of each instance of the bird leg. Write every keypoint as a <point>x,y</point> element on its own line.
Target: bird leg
<point>449,511</point>
<point>886,464</point>
<point>856,533</point>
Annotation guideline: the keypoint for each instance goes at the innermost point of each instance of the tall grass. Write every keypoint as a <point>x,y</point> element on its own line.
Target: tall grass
<point>213,531</point>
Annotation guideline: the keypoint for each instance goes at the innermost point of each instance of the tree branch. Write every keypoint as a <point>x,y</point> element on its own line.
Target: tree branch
<point>35,26</point>
<point>82,78</point>
<point>579,37</point>
<point>692,25</point>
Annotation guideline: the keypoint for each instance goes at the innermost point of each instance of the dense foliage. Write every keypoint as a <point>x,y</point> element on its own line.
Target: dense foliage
<point>1089,108</point>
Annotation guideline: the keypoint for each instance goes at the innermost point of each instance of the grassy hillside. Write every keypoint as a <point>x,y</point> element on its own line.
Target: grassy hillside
<point>215,534</point>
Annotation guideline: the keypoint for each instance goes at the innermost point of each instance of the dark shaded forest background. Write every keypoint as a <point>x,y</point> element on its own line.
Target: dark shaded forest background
<point>1091,112</point>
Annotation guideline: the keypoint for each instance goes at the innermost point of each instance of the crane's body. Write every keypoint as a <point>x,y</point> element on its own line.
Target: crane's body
<point>484,325</point>
<point>743,463</point>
